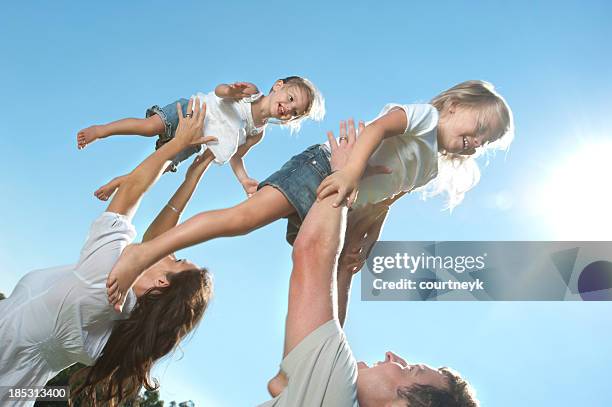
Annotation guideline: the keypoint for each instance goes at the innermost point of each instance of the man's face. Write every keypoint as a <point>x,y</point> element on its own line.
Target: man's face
<point>378,384</point>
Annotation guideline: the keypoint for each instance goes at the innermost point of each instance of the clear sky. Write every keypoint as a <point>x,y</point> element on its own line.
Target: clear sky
<point>68,65</point>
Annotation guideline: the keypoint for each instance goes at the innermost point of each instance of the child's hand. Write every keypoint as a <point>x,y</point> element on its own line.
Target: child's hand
<point>249,185</point>
<point>190,130</point>
<point>240,90</point>
<point>341,181</point>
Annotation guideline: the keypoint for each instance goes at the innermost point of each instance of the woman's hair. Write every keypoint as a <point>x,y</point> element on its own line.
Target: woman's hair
<point>159,321</point>
<point>458,173</point>
<point>458,394</point>
<point>315,109</point>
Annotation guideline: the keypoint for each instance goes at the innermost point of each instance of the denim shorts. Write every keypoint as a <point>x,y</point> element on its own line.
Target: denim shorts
<point>170,119</point>
<point>298,180</point>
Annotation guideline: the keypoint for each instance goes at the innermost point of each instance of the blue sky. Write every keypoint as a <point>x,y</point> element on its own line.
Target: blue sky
<point>68,65</point>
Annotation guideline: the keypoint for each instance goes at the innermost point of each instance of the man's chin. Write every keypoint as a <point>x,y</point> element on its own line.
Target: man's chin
<point>362,365</point>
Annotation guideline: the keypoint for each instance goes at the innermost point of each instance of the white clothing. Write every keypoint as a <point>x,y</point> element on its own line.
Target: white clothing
<point>59,316</point>
<point>412,155</point>
<point>321,371</point>
<point>230,121</point>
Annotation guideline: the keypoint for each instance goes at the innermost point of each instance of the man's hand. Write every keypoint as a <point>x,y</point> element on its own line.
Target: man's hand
<point>363,229</point>
<point>343,181</point>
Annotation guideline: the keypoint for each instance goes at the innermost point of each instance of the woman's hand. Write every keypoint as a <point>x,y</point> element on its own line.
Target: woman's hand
<point>190,129</point>
<point>199,165</point>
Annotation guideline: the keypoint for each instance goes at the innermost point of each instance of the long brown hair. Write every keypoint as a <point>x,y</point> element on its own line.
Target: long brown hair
<point>158,322</point>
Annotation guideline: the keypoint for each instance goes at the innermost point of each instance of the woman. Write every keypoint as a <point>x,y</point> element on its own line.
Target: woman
<point>60,316</point>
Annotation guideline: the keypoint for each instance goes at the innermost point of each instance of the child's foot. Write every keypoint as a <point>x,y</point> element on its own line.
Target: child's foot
<point>88,136</point>
<point>127,269</point>
<point>107,190</point>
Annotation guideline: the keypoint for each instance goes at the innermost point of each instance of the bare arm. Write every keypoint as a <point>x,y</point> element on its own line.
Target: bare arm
<point>170,214</point>
<point>345,181</point>
<point>237,164</point>
<point>136,183</point>
<point>313,285</point>
<point>237,90</point>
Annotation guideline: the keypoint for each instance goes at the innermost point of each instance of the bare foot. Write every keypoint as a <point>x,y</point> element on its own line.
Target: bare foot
<point>108,189</point>
<point>89,135</point>
<point>127,269</point>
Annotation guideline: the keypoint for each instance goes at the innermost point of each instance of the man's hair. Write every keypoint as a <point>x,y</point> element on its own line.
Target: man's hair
<point>458,394</point>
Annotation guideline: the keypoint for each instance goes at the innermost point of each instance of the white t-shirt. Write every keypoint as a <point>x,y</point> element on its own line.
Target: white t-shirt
<point>230,121</point>
<point>413,155</point>
<point>321,371</point>
<point>59,316</point>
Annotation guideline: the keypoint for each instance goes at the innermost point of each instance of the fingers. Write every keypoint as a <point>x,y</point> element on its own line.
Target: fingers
<point>332,140</point>
<point>361,126</point>
<point>196,108</point>
<point>202,113</point>
<point>342,130</point>
<point>324,184</point>
<point>190,106</point>
<point>179,112</point>
<point>208,139</point>
<point>326,191</point>
<point>351,131</point>
<point>351,198</point>
<point>339,198</point>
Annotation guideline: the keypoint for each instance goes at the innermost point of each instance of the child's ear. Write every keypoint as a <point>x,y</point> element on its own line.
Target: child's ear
<point>278,84</point>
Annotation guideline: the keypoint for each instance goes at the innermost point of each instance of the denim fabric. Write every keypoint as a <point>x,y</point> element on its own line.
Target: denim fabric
<point>169,116</point>
<point>298,180</point>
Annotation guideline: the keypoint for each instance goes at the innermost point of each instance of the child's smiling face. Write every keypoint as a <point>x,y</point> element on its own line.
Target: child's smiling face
<point>288,101</point>
<point>461,131</point>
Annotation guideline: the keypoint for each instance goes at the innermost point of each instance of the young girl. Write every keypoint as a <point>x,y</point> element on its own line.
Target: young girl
<point>237,116</point>
<point>419,143</point>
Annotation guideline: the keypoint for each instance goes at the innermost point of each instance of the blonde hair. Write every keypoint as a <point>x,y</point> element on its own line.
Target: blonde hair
<point>315,110</point>
<point>458,173</point>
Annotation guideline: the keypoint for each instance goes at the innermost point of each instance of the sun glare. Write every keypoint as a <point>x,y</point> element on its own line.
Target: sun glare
<point>575,201</point>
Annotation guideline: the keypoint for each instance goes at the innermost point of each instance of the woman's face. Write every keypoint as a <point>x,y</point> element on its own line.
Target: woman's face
<point>158,275</point>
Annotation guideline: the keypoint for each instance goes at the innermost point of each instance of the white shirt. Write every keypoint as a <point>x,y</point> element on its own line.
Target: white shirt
<point>59,316</point>
<point>321,371</point>
<point>412,155</point>
<point>230,121</point>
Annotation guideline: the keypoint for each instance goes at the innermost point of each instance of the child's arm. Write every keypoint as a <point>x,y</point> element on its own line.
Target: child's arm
<point>170,214</point>
<point>345,181</point>
<point>238,90</point>
<point>237,164</point>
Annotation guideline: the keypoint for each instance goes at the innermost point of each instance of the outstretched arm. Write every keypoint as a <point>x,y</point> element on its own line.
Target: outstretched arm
<point>136,183</point>
<point>237,90</point>
<point>312,286</point>
<point>170,214</point>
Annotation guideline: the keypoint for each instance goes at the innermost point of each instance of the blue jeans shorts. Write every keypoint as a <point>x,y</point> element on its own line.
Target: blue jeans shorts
<point>298,180</point>
<point>170,119</point>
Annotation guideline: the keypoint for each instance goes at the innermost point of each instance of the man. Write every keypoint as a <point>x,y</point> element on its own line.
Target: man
<point>318,368</point>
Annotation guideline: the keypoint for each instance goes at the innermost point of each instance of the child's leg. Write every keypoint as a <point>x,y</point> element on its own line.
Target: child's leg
<point>264,207</point>
<point>150,126</point>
